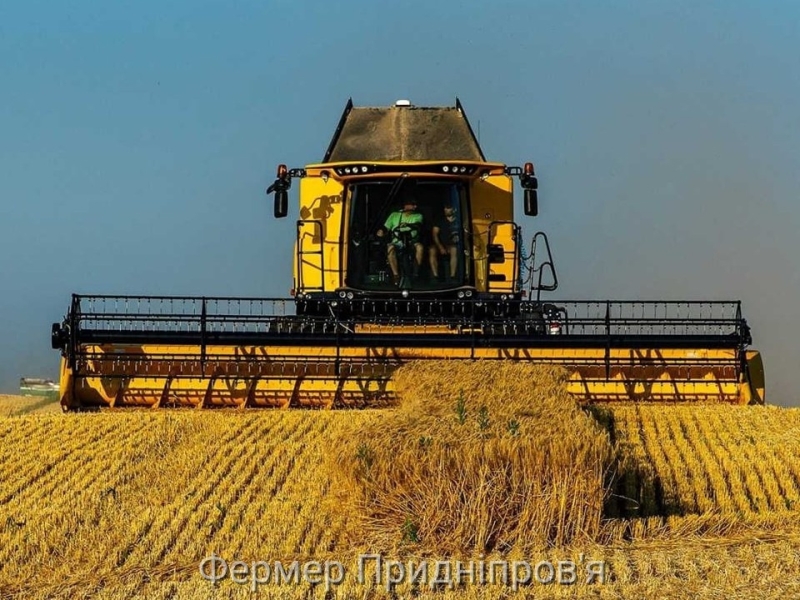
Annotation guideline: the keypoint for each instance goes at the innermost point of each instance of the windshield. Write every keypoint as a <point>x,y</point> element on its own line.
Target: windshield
<point>413,239</point>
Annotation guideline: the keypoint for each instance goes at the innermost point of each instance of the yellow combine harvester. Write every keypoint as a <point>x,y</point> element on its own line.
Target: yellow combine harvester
<point>406,249</point>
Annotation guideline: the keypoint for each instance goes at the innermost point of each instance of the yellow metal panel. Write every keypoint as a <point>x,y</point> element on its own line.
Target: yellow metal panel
<point>755,370</point>
<point>491,199</point>
<point>319,245</point>
<point>324,377</point>
<point>65,385</point>
<point>502,276</point>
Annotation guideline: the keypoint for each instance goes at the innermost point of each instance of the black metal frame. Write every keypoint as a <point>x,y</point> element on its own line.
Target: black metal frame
<point>300,252</point>
<point>348,107</point>
<point>538,272</point>
<point>460,108</point>
<point>208,322</point>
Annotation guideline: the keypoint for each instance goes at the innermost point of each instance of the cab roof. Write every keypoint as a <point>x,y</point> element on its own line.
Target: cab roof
<point>403,133</point>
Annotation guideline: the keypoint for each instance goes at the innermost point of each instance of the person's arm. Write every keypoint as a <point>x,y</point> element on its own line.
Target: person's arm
<point>389,224</point>
<point>418,221</point>
<point>437,242</point>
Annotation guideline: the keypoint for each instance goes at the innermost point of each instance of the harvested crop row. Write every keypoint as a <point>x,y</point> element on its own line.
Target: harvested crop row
<point>160,491</point>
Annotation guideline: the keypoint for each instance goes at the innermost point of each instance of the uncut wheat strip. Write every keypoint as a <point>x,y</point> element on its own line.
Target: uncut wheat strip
<point>173,513</point>
<point>731,431</point>
<point>698,478</point>
<point>269,457</point>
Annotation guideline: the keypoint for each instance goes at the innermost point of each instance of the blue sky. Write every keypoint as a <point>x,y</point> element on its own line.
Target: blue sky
<point>137,138</point>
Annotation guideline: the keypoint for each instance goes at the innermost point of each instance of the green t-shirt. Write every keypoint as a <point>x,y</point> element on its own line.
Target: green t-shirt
<point>398,218</point>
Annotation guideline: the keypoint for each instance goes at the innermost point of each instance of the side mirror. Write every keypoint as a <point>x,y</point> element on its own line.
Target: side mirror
<point>531,203</point>
<point>59,336</point>
<point>281,203</point>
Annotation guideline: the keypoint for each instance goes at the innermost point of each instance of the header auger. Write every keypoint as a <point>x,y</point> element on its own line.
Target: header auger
<point>406,249</point>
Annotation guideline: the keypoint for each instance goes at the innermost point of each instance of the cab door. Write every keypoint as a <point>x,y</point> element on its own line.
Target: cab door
<point>494,234</point>
<point>318,248</point>
<point>502,254</point>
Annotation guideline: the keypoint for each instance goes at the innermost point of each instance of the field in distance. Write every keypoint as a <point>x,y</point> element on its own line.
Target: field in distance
<point>11,405</point>
<point>126,505</point>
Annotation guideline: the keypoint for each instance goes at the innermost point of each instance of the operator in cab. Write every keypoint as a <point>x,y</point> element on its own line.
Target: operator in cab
<point>404,228</point>
<point>446,237</point>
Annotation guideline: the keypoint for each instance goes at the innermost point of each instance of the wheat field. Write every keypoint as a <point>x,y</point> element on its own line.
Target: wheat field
<point>12,406</point>
<point>701,501</point>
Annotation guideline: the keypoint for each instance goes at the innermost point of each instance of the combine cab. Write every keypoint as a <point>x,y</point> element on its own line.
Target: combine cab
<point>406,249</point>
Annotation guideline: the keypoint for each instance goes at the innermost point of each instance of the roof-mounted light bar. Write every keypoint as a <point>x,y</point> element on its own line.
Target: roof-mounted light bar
<point>449,169</point>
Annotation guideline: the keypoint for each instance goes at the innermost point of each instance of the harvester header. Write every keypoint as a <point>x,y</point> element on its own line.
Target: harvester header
<point>406,248</point>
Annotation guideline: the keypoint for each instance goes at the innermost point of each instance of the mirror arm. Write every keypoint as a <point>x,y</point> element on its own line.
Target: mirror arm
<point>280,188</point>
